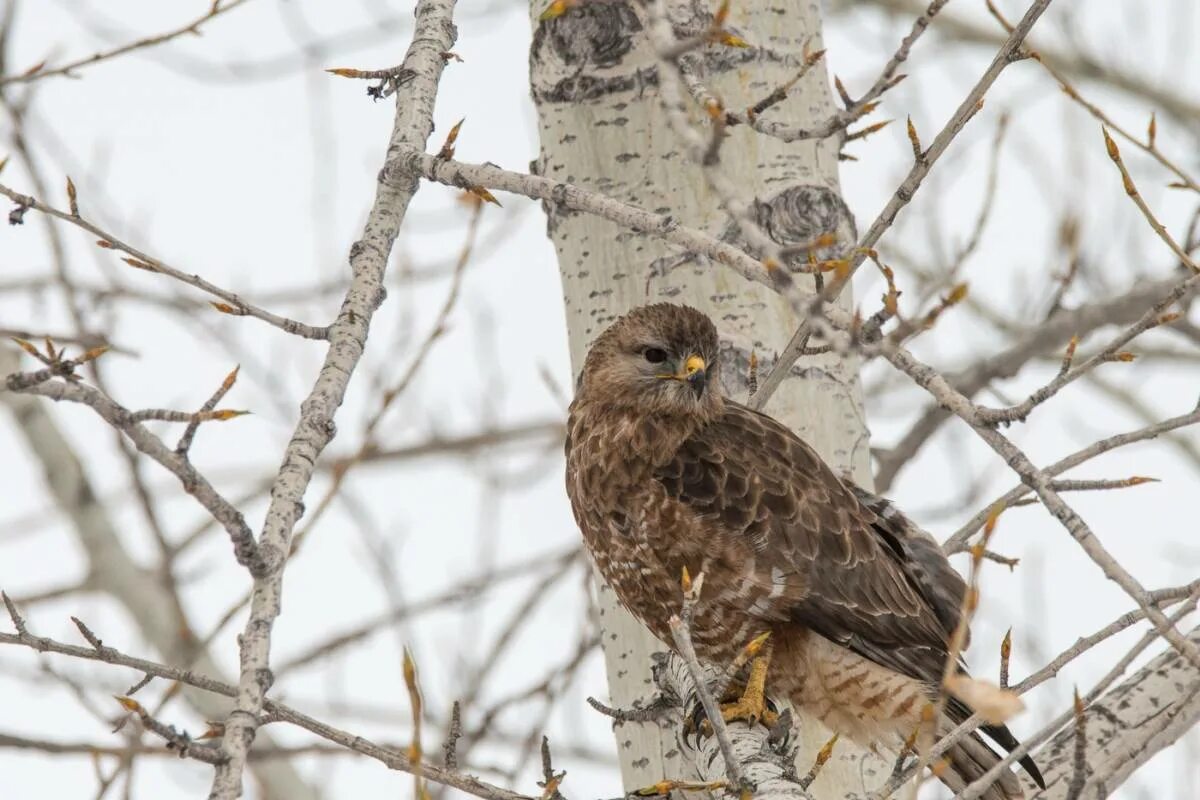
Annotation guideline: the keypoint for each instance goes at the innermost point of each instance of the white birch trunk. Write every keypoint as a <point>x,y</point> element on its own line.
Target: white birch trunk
<point>1150,711</point>
<point>594,82</point>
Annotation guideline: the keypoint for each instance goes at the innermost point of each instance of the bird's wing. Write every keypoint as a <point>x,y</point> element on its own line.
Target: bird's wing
<point>836,558</point>
<point>941,585</point>
<point>836,566</point>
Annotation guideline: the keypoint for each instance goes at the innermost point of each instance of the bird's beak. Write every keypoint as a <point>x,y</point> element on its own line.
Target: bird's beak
<point>694,374</point>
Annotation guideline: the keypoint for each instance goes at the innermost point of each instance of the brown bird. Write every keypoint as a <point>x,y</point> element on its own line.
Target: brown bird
<point>664,473</point>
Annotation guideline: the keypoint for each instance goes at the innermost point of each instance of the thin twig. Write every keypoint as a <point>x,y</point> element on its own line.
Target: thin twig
<point>391,757</point>
<point>956,543</point>
<point>40,71</point>
<point>936,385</point>
<point>1131,189</point>
<point>681,634</point>
<point>233,304</point>
<point>1153,317</point>
<point>967,109</point>
<point>245,547</point>
<point>189,433</point>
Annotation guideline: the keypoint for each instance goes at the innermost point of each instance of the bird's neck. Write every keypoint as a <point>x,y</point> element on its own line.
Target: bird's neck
<point>649,440</point>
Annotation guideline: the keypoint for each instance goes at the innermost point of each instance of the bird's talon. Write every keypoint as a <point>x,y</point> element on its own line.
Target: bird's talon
<point>752,705</point>
<point>750,710</point>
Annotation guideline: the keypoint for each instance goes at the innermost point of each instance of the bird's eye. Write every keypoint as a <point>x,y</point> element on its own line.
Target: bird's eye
<point>655,355</point>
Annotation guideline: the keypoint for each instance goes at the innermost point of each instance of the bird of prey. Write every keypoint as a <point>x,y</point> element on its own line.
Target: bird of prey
<point>666,474</point>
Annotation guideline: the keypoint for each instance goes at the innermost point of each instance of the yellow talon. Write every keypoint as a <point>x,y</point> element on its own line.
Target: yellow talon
<point>751,706</point>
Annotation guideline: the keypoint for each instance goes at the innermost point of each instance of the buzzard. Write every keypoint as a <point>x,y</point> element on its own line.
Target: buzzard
<point>664,473</point>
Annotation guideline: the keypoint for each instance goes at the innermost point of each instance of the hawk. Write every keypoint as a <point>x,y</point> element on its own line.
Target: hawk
<point>664,473</point>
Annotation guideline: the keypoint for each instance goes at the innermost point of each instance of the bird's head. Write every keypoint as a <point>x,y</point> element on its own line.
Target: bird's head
<point>659,359</point>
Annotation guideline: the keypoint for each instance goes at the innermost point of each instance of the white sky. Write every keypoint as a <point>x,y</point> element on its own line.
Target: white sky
<point>261,183</point>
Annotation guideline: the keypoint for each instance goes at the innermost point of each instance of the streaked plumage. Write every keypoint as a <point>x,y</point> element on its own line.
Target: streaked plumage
<point>664,473</point>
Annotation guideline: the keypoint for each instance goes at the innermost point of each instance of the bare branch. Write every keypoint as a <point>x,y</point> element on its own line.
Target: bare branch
<point>194,483</point>
<point>1122,309</point>
<point>1151,318</point>
<point>912,182</point>
<point>234,304</point>
<point>41,71</point>
<point>392,758</point>
<point>1081,65</point>
<point>840,120</point>
<point>956,543</point>
<point>434,35</point>
<point>937,386</point>
<point>1131,189</point>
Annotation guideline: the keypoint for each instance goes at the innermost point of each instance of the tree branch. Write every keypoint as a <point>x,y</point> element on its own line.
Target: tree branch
<point>434,35</point>
<point>393,758</point>
<point>193,482</point>
<point>67,70</point>
<point>233,305</point>
<point>923,163</point>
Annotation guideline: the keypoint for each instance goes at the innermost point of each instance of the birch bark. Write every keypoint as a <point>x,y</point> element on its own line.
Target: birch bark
<point>1148,712</point>
<point>594,81</point>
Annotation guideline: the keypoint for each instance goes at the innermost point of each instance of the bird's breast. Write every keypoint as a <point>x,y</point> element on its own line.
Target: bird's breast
<point>642,555</point>
<point>635,554</point>
<point>641,539</point>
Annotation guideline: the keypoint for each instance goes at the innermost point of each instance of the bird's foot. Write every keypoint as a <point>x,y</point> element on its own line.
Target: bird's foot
<point>751,706</point>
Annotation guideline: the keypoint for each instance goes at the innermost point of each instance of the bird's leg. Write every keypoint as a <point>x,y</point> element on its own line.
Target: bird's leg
<point>752,706</point>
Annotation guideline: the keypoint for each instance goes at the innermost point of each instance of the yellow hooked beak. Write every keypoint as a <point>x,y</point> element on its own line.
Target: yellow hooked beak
<point>693,373</point>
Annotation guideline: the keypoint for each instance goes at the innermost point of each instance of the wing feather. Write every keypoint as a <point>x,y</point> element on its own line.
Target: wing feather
<point>851,572</point>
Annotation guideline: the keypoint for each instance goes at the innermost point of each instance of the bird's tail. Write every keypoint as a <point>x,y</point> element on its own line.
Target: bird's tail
<point>970,760</point>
